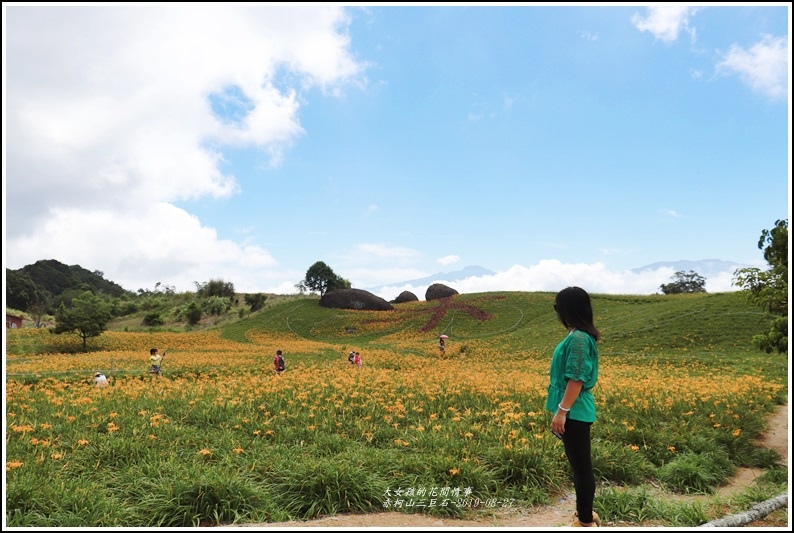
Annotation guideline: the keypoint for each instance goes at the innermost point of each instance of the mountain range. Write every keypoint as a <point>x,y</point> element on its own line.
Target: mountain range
<point>705,267</point>
<point>457,275</point>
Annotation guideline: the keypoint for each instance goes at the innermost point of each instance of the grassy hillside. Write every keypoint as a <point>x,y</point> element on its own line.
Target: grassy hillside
<point>714,328</point>
<point>710,329</point>
<point>167,308</point>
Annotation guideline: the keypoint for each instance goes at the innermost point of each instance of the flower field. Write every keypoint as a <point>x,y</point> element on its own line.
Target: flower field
<point>220,438</point>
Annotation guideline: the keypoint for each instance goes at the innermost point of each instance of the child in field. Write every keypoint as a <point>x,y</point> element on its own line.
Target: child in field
<point>357,359</point>
<point>100,379</point>
<point>351,357</point>
<point>278,363</point>
<point>156,361</point>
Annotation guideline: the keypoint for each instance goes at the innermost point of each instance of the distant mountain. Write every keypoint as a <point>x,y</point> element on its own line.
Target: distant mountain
<point>705,267</point>
<point>456,275</point>
<point>49,279</point>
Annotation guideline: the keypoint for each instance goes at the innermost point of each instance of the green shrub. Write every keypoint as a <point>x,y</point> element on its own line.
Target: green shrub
<point>697,473</point>
<point>617,462</point>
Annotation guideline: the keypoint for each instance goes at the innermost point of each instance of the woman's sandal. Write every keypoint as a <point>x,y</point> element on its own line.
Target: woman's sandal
<point>595,523</point>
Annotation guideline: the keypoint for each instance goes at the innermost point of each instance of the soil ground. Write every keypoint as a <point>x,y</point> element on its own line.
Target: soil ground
<point>560,512</point>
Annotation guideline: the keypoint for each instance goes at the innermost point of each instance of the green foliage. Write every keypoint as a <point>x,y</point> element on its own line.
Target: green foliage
<point>768,289</point>
<point>255,301</point>
<point>697,472</point>
<point>216,305</point>
<point>338,283</point>
<point>684,282</point>
<point>153,319</point>
<point>39,315</point>
<point>321,278</point>
<point>22,292</point>
<point>123,307</point>
<point>209,498</point>
<point>193,313</point>
<point>775,476</point>
<point>636,505</point>
<point>326,487</point>
<point>153,300</point>
<point>53,277</point>
<point>614,461</point>
<point>87,317</point>
<point>215,288</point>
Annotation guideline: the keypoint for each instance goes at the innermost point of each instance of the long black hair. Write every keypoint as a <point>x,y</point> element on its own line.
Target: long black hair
<point>575,310</point>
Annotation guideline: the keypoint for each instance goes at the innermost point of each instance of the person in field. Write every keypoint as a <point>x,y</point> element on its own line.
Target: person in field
<point>441,345</point>
<point>573,374</point>
<point>278,362</point>
<point>100,379</point>
<point>357,359</point>
<point>156,361</point>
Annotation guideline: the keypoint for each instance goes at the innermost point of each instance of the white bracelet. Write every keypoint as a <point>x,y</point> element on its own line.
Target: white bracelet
<point>563,408</point>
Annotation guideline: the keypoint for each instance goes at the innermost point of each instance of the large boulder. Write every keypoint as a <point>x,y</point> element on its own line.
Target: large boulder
<point>405,296</point>
<point>354,299</point>
<point>438,290</point>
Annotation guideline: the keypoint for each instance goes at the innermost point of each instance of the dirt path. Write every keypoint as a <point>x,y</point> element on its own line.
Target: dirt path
<point>554,515</point>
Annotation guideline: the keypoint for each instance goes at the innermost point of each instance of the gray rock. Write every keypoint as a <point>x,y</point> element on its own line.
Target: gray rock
<point>405,296</point>
<point>354,299</point>
<point>438,290</point>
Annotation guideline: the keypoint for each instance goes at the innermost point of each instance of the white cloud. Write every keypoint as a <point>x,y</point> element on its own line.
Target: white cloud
<point>551,275</point>
<point>159,242</point>
<point>448,260</point>
<point>764,67</point>
<point>115,123</point>
<point>671,213</point>
<point>722,282</point>
<point>665,22</point>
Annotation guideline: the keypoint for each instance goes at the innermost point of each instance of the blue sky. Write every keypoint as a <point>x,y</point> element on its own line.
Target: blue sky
<point>553,145</point>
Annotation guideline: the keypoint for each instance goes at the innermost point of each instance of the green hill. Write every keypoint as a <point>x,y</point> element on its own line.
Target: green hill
<point>710,327</point>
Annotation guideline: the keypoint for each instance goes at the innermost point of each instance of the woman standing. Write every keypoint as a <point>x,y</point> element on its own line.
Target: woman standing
<point>574,372</point>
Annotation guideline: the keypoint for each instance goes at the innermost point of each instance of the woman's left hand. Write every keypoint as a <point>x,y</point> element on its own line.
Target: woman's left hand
<point>558,423</point>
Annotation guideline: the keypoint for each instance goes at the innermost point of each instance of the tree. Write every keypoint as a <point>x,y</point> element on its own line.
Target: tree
<point>338,283</point>
<point>153,319</point>
<point>87,317</point>
<point>321,278</point>
<point>38,312</point>
<point>216,305</point>
<point>193,313</point>
<point>684,282</point>
<point>256,301</point>
<point>215,287</point>
<point>22,292</point>
<point>769,288</point>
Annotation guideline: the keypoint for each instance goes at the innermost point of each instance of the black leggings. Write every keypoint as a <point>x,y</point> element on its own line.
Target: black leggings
<point>577,448</point>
